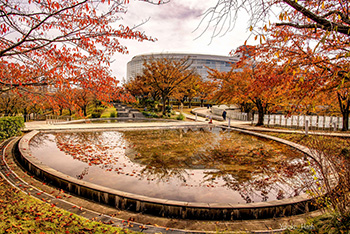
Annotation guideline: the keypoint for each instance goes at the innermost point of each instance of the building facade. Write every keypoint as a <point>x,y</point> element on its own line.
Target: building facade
<point>199,62</point>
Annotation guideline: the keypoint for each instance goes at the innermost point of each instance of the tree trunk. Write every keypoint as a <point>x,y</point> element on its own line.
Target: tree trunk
<point>261,112</point>
<point>345,121</point>
<point>189,102</point>
<point>84,110</point>
<point>25,114</point>
<point>164,104</point>
<point>344,104</point>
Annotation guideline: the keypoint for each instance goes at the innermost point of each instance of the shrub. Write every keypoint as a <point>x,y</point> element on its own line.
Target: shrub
<point>180,117</point>
<point>10,126</point>
<point>150,114</point>
<point>97,112</point>
<point>113,114</point>
<point>95,115</point>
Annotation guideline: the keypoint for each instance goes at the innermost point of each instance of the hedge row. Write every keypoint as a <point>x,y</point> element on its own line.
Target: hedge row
<point>10,126</point>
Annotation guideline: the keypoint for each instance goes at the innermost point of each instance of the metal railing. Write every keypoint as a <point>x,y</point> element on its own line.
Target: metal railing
<point>52,119</point>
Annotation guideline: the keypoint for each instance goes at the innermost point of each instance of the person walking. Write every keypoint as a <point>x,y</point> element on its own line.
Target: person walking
<point>224,114</point>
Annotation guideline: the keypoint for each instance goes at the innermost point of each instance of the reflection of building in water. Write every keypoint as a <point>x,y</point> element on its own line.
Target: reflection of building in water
<point>200,62</point>
<point>221,166</point>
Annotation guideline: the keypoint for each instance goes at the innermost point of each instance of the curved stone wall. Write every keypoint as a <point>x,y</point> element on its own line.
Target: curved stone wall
<point>161,207</point>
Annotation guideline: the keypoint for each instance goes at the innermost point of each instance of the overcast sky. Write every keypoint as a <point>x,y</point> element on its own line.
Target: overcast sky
<point>173,25</point>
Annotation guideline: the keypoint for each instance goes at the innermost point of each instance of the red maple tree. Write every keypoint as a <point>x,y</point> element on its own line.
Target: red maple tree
<point>59,44</point>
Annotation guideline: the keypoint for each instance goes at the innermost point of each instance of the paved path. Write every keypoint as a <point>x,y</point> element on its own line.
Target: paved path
<point>202,118</point>
<point>246,125</point>
<point>42,125</point>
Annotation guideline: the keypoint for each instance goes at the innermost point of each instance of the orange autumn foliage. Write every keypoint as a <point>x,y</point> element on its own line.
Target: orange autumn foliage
<point>62,44</point>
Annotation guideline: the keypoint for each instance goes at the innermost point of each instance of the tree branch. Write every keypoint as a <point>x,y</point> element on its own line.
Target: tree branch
<point>319,20</point>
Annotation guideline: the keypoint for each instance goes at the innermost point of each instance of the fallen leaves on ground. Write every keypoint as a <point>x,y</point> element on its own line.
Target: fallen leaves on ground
<point>20,213</point>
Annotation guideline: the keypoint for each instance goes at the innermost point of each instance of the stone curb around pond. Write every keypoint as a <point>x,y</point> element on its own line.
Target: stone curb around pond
<point>162,207</point>
<point>14,180</point>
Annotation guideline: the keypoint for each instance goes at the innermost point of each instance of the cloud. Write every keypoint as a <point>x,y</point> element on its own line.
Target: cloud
<point>173,25</point>
<point>179,11</point>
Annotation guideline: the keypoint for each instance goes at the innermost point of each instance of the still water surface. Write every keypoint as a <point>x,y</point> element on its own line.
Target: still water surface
<point>192,165</point>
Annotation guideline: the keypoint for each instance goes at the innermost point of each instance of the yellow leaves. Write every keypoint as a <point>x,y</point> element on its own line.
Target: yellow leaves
<point>323,7</point>
<point>281,16</point>
<point>265,28</point>
<point>261,37</point>
<point>251,28</point>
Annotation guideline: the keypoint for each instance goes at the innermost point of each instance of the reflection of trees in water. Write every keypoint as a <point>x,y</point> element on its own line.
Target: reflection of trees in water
<point>89,147</point>
<point>93,148</point>
<point>287,179</point>
<point>248,165</point>
<point>174,147</point>
<point>40,140</point>
<point>163,174</point>
<point>83,173</point>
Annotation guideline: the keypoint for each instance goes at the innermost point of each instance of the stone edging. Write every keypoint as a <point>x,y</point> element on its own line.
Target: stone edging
<point>14,180</point>
<point>167,208</point>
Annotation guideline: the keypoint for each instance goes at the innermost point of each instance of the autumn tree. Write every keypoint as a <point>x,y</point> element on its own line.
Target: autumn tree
<point>138,87</point>
<point>253,80</point>
<point>62,43</point>
<point>10,103</point>
<point>82,99</point>
<point>310,36</point>
<point>205,89</point>
<point>188,90</point>
<point>166,75</point>
<point>319,66</point>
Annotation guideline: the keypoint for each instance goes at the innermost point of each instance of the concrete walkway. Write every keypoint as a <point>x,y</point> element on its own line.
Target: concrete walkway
<point>42,125</point>
<point>246,125</point>
<point>200,117</point>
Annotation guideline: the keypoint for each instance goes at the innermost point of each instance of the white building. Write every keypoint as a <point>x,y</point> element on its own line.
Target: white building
<point>199,61</point>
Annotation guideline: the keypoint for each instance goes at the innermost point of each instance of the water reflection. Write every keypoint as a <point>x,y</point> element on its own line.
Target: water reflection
<point>195,165</point>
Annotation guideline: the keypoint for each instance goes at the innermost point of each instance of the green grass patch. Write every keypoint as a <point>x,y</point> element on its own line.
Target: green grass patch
<point>10,126</point>
<point>20,213</point>
<point>108,112</point>
<point>324,224</point>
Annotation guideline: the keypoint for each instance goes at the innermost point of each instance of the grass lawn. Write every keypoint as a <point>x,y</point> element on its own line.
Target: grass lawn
<point>20,213</point>
<point>107,112</point>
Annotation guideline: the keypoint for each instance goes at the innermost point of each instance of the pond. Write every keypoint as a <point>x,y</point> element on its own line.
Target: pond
<point>206,165</point>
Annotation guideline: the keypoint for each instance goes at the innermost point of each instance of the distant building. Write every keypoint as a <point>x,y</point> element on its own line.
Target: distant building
<point>199,61</point>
